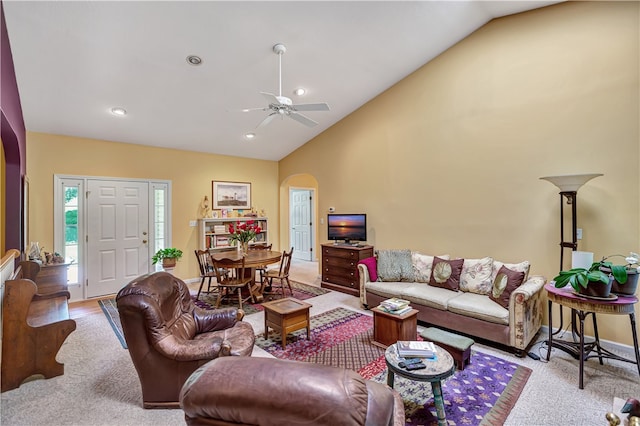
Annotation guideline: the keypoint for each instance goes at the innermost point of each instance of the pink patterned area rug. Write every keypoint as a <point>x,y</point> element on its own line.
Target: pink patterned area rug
<point>483,394</point>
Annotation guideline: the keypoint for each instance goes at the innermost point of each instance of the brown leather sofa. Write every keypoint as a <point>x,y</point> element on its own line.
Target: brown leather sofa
<point>169,337</point>
<point>273,392</point>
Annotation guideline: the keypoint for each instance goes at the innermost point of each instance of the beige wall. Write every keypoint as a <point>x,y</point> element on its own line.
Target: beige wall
<point>191,174</point>
<point>449,159</point>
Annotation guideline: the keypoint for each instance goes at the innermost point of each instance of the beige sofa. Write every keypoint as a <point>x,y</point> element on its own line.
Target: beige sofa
<point>475,308</point>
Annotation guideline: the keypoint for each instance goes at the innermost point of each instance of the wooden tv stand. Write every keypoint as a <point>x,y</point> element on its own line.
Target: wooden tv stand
<point>340,267</point>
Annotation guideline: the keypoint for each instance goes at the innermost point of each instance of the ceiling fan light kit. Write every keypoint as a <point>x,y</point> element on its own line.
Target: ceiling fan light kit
<point>282,106</point>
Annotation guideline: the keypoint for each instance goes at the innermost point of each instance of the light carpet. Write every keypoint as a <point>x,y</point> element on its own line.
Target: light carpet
<point>100,385</point>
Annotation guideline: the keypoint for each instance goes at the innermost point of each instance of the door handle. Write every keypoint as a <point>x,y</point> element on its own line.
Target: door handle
<point>144,241</point>
<point>144,232</point>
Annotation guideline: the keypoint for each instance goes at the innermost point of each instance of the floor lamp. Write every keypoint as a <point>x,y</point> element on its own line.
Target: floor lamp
<point>569,185</point>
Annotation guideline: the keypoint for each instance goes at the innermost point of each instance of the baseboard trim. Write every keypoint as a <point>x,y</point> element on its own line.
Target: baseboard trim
<point>625,350</point>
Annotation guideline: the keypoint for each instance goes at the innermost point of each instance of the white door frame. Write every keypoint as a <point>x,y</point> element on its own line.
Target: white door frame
<point>79,292</point>
<point>312,230</point>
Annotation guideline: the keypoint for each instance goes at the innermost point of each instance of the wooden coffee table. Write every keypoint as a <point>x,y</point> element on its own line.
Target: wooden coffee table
<point>286,316</point>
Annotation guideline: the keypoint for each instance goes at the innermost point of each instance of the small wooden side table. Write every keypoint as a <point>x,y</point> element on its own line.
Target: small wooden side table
<point>389,328</point>
<point>436,371</point>
<point>286,316</point>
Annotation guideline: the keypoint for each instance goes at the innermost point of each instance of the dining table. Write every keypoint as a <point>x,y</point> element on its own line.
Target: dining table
<point>252,259</point>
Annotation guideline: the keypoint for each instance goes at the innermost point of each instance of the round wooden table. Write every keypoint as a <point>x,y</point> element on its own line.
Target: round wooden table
<point>252,259</point>
<point>436,371</point>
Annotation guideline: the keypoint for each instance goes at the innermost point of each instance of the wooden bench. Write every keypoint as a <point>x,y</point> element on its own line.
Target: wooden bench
<point>34,327</point>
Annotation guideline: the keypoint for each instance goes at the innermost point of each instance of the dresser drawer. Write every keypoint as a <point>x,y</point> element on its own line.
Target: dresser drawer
<point>341,252</point>
<point>336,271</point>
<point>340,262</point>
<point>340,280</point>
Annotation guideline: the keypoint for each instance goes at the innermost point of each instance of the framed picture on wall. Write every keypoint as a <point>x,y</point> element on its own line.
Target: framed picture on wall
<point>231,195</point>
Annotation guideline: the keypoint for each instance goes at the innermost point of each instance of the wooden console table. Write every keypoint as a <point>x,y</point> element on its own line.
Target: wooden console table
<point>582,307</point>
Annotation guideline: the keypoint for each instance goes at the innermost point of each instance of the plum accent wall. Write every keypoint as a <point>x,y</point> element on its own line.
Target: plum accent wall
<point>449,159</point>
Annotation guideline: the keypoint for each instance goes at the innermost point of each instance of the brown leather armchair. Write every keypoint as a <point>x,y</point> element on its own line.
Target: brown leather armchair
<point>169,337</point>
<point>269,391</point>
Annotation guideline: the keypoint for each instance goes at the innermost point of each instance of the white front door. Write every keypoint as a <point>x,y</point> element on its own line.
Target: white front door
<point>117,234</point>
<point>300,202</point>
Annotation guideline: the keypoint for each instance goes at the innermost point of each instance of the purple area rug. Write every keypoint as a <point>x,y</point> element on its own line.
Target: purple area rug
<point>483,394</point>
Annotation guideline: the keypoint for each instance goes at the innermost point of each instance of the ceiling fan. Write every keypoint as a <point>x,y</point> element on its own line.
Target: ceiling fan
<point>281,106</point>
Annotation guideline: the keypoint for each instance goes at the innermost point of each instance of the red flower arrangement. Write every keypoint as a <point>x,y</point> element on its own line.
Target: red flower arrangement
<point>244,232</point>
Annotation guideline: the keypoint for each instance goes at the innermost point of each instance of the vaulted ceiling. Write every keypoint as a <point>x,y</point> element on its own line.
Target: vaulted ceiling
<point>77,60</point>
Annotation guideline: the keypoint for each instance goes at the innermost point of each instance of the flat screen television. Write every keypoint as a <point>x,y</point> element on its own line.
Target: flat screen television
<point>347,227</point>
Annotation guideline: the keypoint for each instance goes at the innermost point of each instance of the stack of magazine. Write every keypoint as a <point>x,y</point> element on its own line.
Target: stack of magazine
<point>395,306</point>
<point>413,349</point>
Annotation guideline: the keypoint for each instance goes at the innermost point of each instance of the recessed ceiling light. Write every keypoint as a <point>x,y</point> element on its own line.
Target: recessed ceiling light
<point>249,136</point>
<point>194,60</point>
<point>299,91</point>
<point>118,111</point>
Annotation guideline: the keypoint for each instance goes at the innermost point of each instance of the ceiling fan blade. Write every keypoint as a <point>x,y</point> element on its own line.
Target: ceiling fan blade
<point>271,98</point>
<point>302,119</point>
<point>249,109</point>
<point>267,120</point>
<point>311,107</point>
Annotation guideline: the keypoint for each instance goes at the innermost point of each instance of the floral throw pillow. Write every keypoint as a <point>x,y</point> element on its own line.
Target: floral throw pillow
<point>476,275</point>
<point>505,283</point>
<point>422,264</point>
<point>519,267</point>
<point>446,273</point>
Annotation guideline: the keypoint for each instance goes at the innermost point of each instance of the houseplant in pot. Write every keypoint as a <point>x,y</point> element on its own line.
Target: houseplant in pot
<point>625,281</point>
<point>590,282</point>
<point>168,256</point>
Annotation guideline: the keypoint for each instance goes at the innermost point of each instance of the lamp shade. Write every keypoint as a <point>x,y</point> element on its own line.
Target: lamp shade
<point>570,183</point>
<point>581,259</point>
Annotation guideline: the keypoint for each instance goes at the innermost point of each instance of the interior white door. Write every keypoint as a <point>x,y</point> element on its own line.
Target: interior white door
<point>117,234</point>
<point>300,202</point>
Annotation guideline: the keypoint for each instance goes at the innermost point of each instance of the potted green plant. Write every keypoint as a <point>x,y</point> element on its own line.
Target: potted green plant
<point>597,281</point>
<point>168,256</point>
<point>625,276</point>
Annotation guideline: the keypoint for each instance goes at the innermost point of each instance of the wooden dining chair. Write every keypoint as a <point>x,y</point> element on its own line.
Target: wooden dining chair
<point>281,274</point>
<point>260,269</point>
<point>234,281</point>
<point>206,270</point>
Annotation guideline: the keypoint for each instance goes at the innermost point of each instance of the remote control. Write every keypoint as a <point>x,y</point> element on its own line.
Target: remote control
<point>416,366</point>
<point>409,361</point>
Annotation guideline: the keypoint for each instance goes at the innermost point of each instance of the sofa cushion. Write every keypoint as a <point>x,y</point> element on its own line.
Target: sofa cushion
<point>422,264</point>
<point>505,283</point>
<point>387,289</point>
<point>395,265</point>
<point>479,307</point>
<point>426,295</point>
<point>370,263</point>
<point>518,267</point>
<point>446,273</point>
<point>476,275</point>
